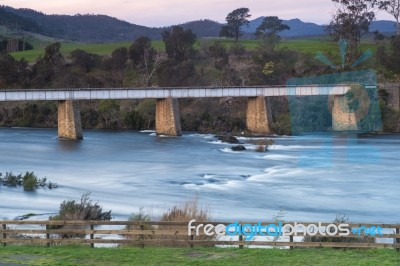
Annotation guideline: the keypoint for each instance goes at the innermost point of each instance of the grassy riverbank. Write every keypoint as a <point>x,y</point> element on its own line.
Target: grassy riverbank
<point>74,255</point>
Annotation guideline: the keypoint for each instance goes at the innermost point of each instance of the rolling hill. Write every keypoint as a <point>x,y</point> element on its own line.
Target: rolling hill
<point>102,28</point>
<point>299,28</point>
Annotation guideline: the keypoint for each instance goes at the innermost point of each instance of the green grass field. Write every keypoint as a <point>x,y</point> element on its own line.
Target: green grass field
<point>74,255</point>
<point>67,48</point>
<point>311,46</point>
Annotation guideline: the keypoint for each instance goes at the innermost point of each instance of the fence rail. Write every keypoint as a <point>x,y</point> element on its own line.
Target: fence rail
<point>156,233</point>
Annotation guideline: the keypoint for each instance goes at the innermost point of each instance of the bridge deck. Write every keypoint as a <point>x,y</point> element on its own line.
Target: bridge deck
<point>157,93</point>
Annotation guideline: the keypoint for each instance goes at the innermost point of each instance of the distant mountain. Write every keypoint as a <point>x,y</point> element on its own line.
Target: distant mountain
<point>384,26</point>
<point>297,28</point>
<point>101,28</point>
<point>15,22</point>
<point>203,28</point>
<point>90,28</point>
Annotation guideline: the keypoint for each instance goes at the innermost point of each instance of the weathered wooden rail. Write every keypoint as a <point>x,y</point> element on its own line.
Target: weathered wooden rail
<point>156,233</point>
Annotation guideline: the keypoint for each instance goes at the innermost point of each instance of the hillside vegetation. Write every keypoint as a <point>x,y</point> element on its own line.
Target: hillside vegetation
<point>311,46</point>
<point>102,28</point>
<point>183,59</point>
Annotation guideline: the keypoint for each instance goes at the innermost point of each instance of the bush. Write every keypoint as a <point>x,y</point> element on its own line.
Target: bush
<point>11,180</point>
<point>262,144</point>
<point>340,219</point>
<point>185,212</point>
<point>30,181</point>
<point>84,209</point>
<point>261,148</point>
<point>140,216</point>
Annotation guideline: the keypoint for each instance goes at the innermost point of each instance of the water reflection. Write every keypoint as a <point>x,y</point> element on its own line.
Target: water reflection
<point>69,145</point>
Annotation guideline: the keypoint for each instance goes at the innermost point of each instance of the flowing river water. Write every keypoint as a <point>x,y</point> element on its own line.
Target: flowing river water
<point>309,177</point>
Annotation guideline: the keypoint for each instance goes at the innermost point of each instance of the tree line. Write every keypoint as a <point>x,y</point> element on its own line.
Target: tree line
<point>186,61</point>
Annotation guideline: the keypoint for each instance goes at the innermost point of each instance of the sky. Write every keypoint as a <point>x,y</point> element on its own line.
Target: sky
<point>159,13</point>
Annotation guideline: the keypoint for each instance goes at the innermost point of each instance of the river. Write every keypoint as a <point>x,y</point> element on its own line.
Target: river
<point>309,177</point>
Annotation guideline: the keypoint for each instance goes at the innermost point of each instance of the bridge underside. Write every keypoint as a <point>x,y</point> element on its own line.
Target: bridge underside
<point>168,118</point>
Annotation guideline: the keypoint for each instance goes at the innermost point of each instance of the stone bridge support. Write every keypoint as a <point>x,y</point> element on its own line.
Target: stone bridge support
<point>167,117</point>
<point>257,115</point>
<point>69,121</point>
<point>343,119</point>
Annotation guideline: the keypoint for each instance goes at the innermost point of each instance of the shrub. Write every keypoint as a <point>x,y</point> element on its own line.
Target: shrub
<point>185,212</point>
<point>11,180</point>
<point>262,144</point>
<point>30,181</point>
<point>340,219</point>
<point>84,209</point>
<point>140,216</point>
<point>261,148</point>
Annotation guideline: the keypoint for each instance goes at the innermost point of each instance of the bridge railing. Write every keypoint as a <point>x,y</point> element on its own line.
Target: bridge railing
<point>177,88</point>
<point>156,233</point>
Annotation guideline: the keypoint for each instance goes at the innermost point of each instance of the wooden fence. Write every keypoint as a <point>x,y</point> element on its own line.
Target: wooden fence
<point>172,234</point>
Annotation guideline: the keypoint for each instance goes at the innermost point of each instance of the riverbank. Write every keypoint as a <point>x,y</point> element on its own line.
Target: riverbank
<point>73,255</point>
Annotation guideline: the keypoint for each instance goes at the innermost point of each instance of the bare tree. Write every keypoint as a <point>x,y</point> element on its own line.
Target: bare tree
<point>151,69</point>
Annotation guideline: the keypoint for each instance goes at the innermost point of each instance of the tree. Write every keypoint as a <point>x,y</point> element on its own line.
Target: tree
<point>84,60</point>
<point>143,57</point>
<point>179,43</point>
<point>271,26</point>
<point>393,8</point>
<point>390,60</point>
<point>219,54</point>
<point>116,65</point>
<point>351,21</point>
<point>13,73</point>
<point>141,52</point>
<point>109,111</point>
<point>52,54</point>
<point>49,68</point>
<point>235,20</point>
<point>176,74</point>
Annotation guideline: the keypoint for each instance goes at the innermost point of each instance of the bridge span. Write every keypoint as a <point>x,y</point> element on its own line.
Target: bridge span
<point>167,109</point>
<point>162,93</point>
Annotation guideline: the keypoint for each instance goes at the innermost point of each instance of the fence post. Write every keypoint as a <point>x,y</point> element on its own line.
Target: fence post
<point>4,234</point>
<point>398,238</point>
<point>291,241</point>
<point>91,235</point>
<point>141,237</point>
<point>240,240</point>
<point>191,238</point>
<point>47,235</point>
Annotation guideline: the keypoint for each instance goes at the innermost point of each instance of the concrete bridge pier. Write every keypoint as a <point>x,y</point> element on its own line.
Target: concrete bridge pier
<point>257,115</point>
<point>343,119</point>
<point>167,117</point>
<point>69,121</point>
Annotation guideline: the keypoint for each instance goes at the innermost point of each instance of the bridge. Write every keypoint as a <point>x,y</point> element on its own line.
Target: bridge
<point>167,110</point>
